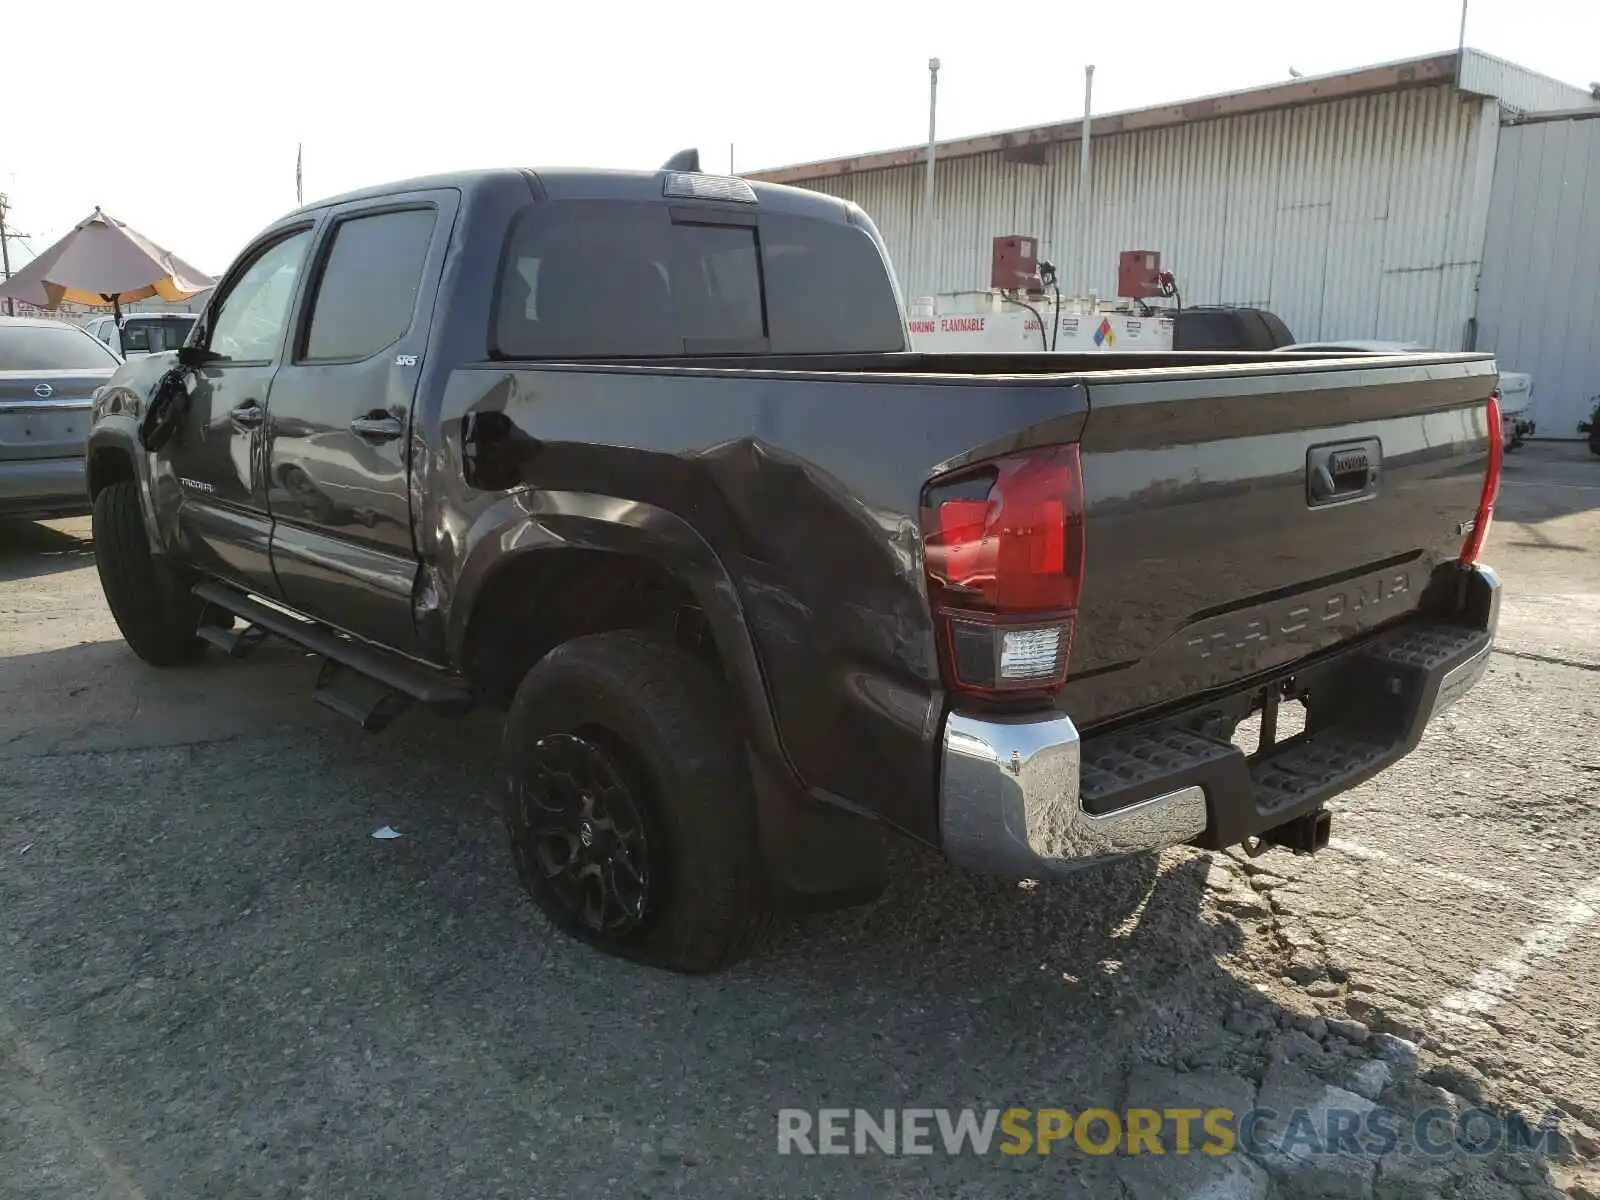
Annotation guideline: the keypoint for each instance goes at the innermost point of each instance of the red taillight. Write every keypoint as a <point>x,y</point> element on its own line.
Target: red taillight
<point>1473,546</point>
<point>1004,555</point>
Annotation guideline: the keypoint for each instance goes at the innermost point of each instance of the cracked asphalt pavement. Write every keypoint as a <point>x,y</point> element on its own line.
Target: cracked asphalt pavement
<point>214,981</point>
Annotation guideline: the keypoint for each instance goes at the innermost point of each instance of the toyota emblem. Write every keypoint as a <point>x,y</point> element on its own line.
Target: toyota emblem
<point>43,390</point>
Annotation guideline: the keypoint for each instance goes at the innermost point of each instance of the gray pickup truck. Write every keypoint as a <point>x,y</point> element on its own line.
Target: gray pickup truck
<point>642,459</point>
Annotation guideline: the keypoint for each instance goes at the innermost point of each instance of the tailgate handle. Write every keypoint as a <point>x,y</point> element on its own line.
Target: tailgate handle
<point>1335,474</point>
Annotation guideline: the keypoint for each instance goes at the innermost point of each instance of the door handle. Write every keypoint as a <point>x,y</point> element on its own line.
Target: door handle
<point>378,426</point>
<point>248,415</point>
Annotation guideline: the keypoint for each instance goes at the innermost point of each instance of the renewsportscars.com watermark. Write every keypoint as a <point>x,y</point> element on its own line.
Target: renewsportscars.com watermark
<point>1215,1131</point>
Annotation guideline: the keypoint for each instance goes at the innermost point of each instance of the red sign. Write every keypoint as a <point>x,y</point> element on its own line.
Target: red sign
<point>961,324</point>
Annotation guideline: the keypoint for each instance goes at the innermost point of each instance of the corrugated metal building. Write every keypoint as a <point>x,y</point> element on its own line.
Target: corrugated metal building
<point>1353,205</point>
<point>1539,297</point>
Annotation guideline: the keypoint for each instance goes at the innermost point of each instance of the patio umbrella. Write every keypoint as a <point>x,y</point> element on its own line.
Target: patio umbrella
<point>102,261</point>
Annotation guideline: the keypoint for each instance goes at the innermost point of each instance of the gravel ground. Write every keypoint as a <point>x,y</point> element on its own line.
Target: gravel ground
<point>216,982</point>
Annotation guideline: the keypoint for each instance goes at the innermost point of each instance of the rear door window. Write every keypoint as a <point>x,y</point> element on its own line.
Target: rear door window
<point>368,290</point>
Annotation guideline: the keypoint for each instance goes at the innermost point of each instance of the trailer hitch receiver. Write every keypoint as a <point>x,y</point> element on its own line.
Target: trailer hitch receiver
<point>1306,834</point>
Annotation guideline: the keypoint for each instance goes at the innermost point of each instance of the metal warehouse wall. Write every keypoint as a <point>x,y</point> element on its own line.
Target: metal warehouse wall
<point>1355,218</point>
<point>1517,87</point>
<point>1539,298</point>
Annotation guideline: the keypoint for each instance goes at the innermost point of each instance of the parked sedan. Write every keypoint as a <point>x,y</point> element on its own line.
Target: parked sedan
<point>48,372</point>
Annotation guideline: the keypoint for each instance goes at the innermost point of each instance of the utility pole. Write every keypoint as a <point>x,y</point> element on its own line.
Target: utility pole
<point>6,237</point>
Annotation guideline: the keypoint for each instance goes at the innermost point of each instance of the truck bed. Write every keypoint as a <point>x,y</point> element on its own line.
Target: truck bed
<point>1206,565</point>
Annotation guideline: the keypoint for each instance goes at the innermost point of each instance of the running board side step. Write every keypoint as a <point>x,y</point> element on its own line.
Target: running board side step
<point>358,680</point>
<point>369,704</point>
<point>235,643</point>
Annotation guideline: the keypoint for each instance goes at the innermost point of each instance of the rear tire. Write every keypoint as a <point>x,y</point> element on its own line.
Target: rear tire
<point>630,808</point>
<point>149,600</point>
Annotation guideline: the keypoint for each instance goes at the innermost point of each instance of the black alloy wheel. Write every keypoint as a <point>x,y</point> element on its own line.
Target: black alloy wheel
<point>630,806</point>
<point>588,832</point>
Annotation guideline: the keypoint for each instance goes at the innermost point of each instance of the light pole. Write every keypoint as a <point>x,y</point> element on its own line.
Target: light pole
<point>1086,207</point>
<point>928,237</point>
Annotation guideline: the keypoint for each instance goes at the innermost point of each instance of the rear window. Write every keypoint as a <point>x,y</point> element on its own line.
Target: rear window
<point>612,279</point>
<point>155,335</point>
<point>51,348</point>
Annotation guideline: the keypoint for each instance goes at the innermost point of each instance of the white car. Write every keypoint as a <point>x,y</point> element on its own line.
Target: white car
<point>143,333</point>
<point>1516,389</point>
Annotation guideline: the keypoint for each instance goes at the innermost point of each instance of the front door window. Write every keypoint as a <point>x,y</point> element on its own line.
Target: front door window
<point>248,325</point>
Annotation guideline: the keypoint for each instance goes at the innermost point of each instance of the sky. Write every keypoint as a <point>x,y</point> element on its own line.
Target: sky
<point>183,121</point>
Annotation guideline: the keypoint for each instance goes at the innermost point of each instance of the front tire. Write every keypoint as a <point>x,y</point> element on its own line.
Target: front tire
<point>630,808</point>
<point>151,603</point>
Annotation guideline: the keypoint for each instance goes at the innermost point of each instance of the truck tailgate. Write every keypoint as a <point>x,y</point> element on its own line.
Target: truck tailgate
<point>1216,550</point>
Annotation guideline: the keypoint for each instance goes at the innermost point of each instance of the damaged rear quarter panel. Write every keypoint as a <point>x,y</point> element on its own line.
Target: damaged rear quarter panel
<point>796,494</point>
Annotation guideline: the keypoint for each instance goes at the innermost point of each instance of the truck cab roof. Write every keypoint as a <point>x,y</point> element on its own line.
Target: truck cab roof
<point>575,183</point>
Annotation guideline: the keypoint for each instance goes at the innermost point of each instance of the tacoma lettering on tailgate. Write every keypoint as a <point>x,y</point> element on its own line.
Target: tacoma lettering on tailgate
<point>1360,602</point>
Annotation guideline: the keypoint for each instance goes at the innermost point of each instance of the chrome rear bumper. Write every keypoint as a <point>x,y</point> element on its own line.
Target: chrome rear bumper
<point>1013,788</point>
<point>1009,802</point>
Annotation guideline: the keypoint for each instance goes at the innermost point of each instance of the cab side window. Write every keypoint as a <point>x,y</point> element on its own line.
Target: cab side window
<point>249,323</point>
<point>367,294</point>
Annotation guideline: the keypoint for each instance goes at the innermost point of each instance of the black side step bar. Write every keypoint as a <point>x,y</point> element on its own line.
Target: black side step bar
<point>398,679</point>
<point>235,643</point>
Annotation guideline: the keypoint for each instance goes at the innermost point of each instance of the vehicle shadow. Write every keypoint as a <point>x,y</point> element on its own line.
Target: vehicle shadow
<point>212,855</point>
<point>29,549</point>
<point>1077,957</point>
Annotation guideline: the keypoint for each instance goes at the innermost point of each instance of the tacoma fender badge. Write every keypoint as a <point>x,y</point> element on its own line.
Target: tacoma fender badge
<point>198,485</point>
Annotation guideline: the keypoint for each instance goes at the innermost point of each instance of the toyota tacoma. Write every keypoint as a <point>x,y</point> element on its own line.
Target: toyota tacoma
<point>642,459</point>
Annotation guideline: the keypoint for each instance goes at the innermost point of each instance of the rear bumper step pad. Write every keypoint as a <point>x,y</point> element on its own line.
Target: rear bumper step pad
<point>1023,795</point>
<point>1366,711</point>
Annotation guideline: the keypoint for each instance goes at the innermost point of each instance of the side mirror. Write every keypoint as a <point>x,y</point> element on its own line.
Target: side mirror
<point>194,357</point>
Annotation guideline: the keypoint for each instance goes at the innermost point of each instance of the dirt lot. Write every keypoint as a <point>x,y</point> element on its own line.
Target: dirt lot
<point>214,981</point>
